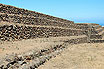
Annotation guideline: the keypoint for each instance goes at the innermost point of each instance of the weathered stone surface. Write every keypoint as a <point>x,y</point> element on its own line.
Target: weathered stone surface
<point>15,32</point>
<point>17,16</point>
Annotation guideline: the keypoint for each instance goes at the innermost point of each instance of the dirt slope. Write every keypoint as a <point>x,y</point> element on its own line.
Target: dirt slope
<point>24,46</point>
<point>81,56</point>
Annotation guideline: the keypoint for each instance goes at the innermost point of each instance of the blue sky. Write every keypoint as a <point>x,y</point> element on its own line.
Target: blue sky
<point>80,11</point>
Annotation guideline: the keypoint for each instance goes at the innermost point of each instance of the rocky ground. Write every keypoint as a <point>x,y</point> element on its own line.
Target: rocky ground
<point>32,53</point>
<point>80,56</point>
<point>9,47</point>
<point>51,53</point>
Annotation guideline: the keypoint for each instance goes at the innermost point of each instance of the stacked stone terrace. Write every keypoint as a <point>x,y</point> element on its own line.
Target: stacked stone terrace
<point>19,15</point>
<point>45,37</point>
<point>17,24</point>
<point>95,32</point>
<point>98,33</point>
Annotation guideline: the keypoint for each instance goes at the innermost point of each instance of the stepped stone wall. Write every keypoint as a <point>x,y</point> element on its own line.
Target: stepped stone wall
<point>24,24</point>
<point>12,14</point>
<point>16,15</point>
<point>15,32</point>
<point>30,17</point>
<point>33,21</point>
<point>82,25</point>
<point>94,31</point>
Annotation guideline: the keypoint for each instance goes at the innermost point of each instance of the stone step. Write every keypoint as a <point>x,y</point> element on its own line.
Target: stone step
<point>101,33</point>
<point>19,11</point>
<point>97,26</point>
<point>96,36</point>
<point>16,32</point>
<point>33,20</point>
<point>6,14</point>
<point>2,23</point>
<point>94,24</point>
<point>97,41</point>
<point>99,29</point>
<point>82,25</point>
